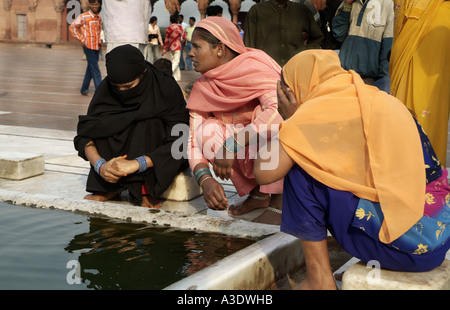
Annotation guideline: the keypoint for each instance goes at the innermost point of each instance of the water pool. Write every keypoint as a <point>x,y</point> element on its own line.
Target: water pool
<point>53,249</point>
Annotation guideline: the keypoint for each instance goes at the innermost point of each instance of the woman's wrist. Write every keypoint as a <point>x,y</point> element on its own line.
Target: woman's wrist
<point>202,173</point>
<point>98,164</point>
<point>203,179</point>
<point>142,163</point>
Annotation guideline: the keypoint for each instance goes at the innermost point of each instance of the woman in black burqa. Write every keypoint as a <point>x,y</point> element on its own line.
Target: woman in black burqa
<point>126,134</point>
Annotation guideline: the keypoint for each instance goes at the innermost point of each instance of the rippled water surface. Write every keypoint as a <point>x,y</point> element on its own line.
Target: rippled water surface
<point>53,249</point>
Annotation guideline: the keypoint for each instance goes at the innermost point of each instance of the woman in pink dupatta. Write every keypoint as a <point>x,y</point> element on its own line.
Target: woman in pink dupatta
<point>232,104</point>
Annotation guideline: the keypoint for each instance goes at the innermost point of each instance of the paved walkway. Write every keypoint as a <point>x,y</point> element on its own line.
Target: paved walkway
<point>39,106</point>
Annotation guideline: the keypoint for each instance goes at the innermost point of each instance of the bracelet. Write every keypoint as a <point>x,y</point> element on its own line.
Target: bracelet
<point>208,177</point>
<point>201,172</point>
<point>197,177</point>
<point>98,165</point>
<point>142,163</point>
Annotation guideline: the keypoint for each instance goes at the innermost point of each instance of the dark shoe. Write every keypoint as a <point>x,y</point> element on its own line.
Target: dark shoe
<point>86,94</point>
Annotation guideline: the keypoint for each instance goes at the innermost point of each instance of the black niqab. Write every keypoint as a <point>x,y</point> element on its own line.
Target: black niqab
<point>134,124</point>
<point>124,64</point>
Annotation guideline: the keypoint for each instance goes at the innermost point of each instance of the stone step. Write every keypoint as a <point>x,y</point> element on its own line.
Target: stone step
<point>19,165</point>
<point>366,276</point>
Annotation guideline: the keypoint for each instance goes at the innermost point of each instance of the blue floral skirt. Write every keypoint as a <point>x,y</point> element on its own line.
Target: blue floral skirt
<point>310,208</point>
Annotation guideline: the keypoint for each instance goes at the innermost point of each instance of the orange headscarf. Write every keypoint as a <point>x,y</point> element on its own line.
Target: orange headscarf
<point>353,137</point>
<point>239,81</point>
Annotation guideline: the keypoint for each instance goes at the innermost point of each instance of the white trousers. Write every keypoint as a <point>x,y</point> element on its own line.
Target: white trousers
<point>174,57</point>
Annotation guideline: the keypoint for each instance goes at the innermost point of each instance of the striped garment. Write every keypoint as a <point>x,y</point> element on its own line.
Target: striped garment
<point>174,36</point>
<point>86,28</point>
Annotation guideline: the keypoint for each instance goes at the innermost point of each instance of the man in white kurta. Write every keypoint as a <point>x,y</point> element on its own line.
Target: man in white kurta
<point>126,22</point>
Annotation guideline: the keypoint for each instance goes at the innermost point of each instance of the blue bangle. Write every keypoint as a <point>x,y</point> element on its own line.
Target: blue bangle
<point>142,163</point>
<point>202,174</point>
<point>98,165</point>
<point>200,171</point>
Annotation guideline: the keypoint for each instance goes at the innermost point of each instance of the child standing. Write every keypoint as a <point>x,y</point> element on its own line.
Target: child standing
<point>86,28</point>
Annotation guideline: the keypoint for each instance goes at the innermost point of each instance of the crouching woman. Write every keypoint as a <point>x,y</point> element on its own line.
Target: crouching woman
<point>357,164</point>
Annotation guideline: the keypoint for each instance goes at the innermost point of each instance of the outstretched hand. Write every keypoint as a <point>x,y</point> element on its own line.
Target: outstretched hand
<point>214,194</point>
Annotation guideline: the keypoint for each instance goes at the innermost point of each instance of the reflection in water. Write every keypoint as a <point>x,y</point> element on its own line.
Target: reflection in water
<point>40,249</point>
<point>130,256</point>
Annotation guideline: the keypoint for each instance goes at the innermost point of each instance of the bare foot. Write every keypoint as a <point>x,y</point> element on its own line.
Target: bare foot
<point>272,215</point>
<point>255,200</point>
<point>149,202</point>
<point>101,196</point>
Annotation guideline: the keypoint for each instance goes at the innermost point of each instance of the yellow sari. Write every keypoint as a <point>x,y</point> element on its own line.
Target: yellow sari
<point>420,67</point>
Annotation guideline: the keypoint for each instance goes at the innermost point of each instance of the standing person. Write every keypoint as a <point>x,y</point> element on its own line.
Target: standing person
<point>420,67</point>
<point>183,42</point>
<point>126,134</point>
<point>313,7</point>
<point>357,164</point>
<point>87,28</point>
<point>172,44</point>
<point>189,30</point>
<point>323,12</point>
<point>279,27</point>
<point>365,28</point>
<point>126,22</point>
<point>154,40</point>
<point>231,105</point>
<point>214,10</point>
<point>326,25</point>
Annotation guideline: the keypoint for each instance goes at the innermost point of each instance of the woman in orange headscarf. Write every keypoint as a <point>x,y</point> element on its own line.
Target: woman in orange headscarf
<point>420,68</point>
<point>233,107</point>
<point>355,163</point>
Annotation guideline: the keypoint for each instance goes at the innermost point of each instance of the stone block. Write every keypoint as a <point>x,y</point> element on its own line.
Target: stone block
<point>19,166</point>
<point>361,276</point>
<point>183,188</point>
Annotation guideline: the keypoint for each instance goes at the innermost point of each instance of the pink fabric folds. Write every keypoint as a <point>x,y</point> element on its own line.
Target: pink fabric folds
<point>241,80</point>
